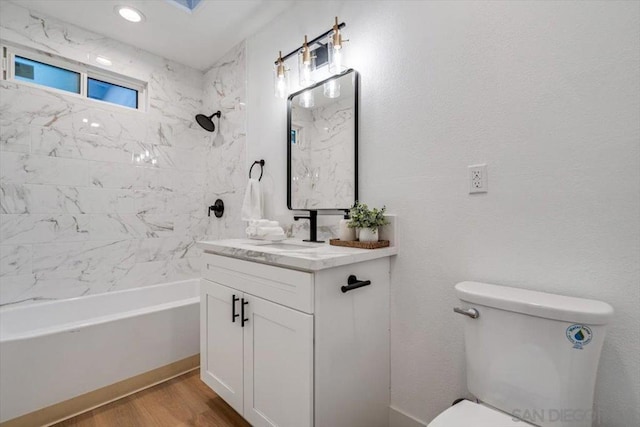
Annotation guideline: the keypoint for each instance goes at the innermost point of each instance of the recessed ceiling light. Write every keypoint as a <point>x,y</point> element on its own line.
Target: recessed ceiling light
<point>129,13</point>
<point>103,61</point>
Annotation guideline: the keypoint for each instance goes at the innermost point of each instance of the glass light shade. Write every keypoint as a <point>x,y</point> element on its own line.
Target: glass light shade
<point>332,89</point>
<point>307,99</point>
<point>306,67</point>
<point>280,81</point>
<point>336,56</point>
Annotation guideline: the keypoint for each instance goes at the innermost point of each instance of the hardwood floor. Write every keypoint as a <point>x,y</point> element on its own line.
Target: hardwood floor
<point>183,401</point>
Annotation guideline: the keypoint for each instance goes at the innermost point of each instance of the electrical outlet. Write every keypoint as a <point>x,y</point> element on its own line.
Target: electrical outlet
<point>478,179</point>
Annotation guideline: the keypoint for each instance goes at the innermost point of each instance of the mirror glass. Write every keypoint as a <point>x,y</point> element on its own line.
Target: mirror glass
<point>322,146</point>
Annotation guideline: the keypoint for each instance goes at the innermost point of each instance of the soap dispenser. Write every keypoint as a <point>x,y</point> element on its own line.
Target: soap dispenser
<point>346,234</point>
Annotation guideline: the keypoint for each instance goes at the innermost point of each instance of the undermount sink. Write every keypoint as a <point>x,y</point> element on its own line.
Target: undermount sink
<point>286,246</point>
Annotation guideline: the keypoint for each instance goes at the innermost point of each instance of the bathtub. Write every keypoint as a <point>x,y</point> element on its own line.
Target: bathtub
<point>58,350</point>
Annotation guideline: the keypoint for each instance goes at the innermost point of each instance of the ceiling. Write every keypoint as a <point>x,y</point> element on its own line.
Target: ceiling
<point>197,38</point>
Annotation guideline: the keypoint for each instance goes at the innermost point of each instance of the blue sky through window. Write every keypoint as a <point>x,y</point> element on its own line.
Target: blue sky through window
<point>27,70</point>
<point>114,94</point>
<point>189,4</point>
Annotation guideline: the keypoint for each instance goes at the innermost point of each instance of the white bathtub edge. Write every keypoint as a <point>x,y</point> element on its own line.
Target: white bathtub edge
<point>76,326</point>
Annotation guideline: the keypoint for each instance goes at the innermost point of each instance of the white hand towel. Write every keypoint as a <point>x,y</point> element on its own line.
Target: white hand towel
<point>252,204</point>
<point>267,231</point>
<point>263,223</point>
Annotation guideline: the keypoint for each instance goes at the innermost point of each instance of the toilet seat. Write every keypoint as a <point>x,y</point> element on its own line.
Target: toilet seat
<point>470,414</point>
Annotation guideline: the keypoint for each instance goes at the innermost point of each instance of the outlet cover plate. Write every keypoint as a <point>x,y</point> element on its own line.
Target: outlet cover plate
<point>478,179</point>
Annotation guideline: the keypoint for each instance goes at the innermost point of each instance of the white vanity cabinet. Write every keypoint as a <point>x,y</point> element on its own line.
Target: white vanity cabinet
<point>288,348</point>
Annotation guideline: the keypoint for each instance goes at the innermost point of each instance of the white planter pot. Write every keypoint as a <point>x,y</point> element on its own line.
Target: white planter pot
<point>368,235</point>
<point>346,234</point>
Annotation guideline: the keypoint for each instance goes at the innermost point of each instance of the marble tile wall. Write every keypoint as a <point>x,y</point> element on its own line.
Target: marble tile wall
<point>77,216</point>
<point>324,155</point>
<point>227,173</point>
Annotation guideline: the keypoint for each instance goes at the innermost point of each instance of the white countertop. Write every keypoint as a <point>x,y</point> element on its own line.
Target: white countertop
<point>313,257</point>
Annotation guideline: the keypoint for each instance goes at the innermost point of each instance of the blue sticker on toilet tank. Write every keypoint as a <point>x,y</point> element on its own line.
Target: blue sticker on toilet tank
<point>579,335</point>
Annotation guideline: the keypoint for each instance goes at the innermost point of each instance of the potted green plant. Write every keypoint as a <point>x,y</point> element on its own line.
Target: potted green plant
<point>367,221</point>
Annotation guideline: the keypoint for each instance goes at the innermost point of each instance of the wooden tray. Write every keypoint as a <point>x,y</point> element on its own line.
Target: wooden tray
<point>360,245</point>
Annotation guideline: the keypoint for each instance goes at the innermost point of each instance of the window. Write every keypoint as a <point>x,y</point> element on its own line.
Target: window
<point>109,92</point>
<point>32,67</point>
<point>27,70</point>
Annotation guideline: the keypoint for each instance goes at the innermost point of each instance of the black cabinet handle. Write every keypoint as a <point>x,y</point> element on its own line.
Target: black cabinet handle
<point>233,308</point>
<point>242,319</point>
<point>354,283</point>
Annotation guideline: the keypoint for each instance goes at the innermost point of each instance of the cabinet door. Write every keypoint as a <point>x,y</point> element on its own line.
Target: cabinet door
<point>278,365</point>
<point>221,342</point>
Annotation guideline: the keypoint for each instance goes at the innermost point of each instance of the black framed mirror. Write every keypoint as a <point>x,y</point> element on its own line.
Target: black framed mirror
<point>322,144</point>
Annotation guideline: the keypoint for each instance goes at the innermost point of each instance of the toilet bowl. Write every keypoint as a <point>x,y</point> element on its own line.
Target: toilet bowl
<point>471,414</point>
<point>531,357</point>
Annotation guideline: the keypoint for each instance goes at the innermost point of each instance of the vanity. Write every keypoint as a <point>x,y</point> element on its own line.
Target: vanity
<point>296,334</point>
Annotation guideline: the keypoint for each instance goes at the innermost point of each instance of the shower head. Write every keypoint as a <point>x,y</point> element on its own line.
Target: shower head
<point>207,121</point>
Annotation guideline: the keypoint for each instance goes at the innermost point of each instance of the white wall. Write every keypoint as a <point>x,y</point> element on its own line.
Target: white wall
<point>547,94</point>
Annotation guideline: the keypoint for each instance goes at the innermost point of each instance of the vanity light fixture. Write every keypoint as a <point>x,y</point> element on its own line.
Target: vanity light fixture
<point>329,50</point>
<point>306,64</point>
<point>129,13</point>
<point>281,78</point>
<point>336,50</point>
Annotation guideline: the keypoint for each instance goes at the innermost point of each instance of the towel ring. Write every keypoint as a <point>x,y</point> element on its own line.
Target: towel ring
<point>257,162</point>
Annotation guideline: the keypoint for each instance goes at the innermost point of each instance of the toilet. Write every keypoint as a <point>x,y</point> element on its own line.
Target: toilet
<point>531,358</point>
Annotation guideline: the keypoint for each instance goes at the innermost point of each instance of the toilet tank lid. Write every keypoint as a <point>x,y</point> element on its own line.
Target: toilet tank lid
<point>534,303</point>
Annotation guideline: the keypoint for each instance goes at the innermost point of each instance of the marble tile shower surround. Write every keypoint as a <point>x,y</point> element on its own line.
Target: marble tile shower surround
<point>227,173</point>
<point>323,157</point>
<point>77,216</point>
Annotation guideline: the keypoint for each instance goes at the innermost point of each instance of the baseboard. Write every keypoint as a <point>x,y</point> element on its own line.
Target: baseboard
<point>398,418</point>
<point>88,401</point>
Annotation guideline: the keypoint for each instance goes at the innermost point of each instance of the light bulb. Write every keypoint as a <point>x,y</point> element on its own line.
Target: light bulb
<point>306,65</point>
<point>332,89</point>
<point>281,88</point>
<point>281,78</point>
<point>336,64</point>
<point>336,50</point>
<point>307,100</point>
<point>306,73</point>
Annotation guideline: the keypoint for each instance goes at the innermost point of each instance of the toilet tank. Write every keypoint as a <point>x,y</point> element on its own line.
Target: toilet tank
<point>532,354</point>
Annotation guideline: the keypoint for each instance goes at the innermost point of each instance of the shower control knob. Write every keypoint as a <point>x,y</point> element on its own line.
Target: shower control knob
<point>217,208</point>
